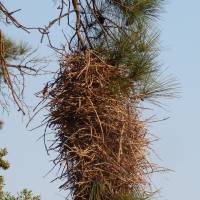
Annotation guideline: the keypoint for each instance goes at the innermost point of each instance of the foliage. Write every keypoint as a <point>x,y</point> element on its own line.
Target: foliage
<point>23,195</point>
<point>15,63</point>
<point>3,165</point>
<point>13,50</point>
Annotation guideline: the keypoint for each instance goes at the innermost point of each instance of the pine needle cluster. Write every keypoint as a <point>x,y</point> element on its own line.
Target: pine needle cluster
<point>24,194</point>
<point>13,50</point>
<point>3,165</point>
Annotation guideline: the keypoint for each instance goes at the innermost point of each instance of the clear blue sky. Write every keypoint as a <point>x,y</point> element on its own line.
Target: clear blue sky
<point>179,144</point>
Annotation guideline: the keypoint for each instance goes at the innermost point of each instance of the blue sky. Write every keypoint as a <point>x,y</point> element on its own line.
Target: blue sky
<point>179,136</point>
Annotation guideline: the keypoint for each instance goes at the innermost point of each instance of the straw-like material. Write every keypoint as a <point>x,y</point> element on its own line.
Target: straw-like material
<point>101,142</point>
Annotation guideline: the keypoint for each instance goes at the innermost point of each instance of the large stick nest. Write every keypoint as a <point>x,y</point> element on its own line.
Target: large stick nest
<point>102,144</point>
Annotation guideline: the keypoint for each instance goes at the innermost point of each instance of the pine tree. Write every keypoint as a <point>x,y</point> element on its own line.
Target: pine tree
<point>11,50</point>
<point>25,194</point>
<point>109,70</point>
<point>3,165</point>
<point>14,51</point>
<point>10,53</point>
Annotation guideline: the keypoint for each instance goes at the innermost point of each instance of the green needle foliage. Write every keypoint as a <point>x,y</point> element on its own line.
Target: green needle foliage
<point>27,195</point>
<point>13,57</point>
<point>130,41</point>
<point>23,195</point>
<point>135,56</point>
<point>14,51</point>
<point>139,10</point>
<point>11,52</point>
<point>3,165</point>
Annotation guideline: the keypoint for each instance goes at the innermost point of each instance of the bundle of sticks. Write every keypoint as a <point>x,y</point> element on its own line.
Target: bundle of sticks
<point>101,143</point>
